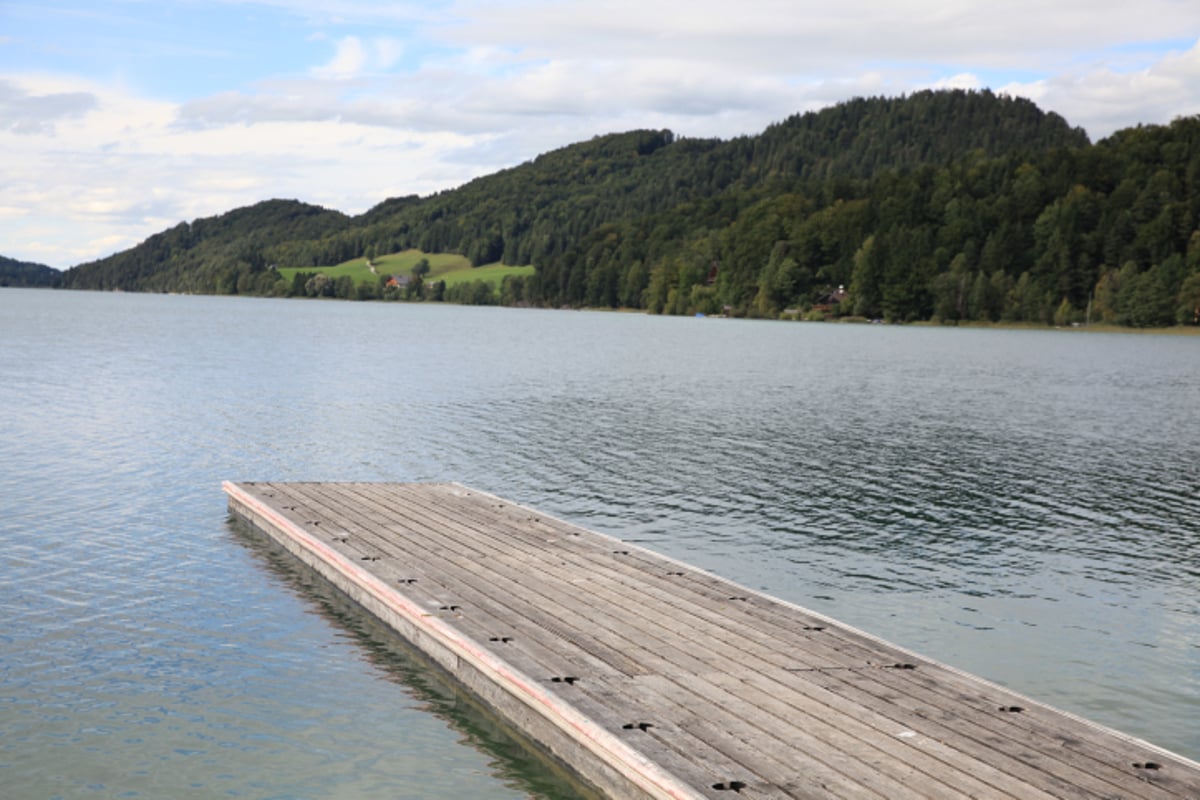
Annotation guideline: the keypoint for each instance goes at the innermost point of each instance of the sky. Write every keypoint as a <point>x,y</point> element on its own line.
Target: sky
<point>121,118</point>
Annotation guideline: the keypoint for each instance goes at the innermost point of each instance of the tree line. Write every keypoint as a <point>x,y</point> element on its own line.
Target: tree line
<point>1101,233</point>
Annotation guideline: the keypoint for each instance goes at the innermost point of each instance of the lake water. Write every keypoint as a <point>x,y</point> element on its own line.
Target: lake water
<point>1024,505</point>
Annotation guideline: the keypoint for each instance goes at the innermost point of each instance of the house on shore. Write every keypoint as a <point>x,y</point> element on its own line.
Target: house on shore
<point>830,300</point>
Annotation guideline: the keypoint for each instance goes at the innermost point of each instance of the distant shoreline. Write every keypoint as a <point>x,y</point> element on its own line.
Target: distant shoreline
<point>1099,327</point>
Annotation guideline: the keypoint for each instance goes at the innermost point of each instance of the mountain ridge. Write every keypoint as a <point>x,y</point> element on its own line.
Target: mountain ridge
<point>14,272</point>
<point>940,204</point>
<point>675,170</point>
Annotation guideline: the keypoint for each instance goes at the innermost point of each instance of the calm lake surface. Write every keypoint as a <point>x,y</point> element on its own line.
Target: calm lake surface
<point>1024,505</point>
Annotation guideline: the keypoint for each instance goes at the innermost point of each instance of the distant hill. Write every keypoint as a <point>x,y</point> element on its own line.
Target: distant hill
<point>954,205</point>
<point>215,255</point>
<point>27,273</point>
<point>863,137</point>
<point>535,212</point>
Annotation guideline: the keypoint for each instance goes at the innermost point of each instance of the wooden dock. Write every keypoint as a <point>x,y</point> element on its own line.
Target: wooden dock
<point>651,678</point>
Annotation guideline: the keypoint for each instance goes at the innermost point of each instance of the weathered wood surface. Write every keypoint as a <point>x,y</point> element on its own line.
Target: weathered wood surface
<point>655,679</point>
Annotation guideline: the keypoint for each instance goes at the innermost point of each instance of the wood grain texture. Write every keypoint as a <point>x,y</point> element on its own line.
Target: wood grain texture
<point>652,678</point>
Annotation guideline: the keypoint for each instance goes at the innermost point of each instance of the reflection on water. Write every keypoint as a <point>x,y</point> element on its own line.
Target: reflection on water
<point>512,757</point>
<point>1021,504</point>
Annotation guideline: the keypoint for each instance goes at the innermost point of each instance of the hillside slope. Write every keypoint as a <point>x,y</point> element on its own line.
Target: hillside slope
<point>538,211</point>
<point>535,212</point>
<point>216,255</point>
<point>952,205</point>
<point>27,273</point>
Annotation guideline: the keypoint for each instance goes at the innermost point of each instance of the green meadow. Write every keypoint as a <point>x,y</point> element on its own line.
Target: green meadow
<point>448,267</point>
<point>491,273</point>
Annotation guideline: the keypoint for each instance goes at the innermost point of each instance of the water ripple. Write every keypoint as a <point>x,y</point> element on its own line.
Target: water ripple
<point>1021,504</point>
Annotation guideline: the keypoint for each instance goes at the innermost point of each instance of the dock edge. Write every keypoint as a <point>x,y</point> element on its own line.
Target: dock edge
<point>594,754</point>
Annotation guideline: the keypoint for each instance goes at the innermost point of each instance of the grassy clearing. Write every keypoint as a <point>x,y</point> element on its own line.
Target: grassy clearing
<point>439,263</point>
<point>356,269</point>
<point>492,273</point>
<point>448,267</point>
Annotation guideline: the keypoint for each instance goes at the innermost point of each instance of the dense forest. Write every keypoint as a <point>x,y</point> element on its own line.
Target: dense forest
<point>26,273</point>
<point>949,205</point>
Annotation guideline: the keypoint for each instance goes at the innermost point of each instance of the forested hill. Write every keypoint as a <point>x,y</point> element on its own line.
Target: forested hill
<point>955,204</point>
<point>216,255</point>
<point>26,273</point>
<point>861,137</point>
<point>538,211</point>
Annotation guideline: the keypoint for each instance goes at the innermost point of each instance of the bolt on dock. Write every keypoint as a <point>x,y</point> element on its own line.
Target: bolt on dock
<point>650,678</point>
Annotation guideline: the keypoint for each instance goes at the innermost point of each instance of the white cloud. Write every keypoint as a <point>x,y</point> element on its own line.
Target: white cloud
<point>387,52</point>
<point>354,57</point>
<point>782,35</point>
<point>1103,100</point>
<point>29,113</point>
<point>342,12</point>
<point>349,60</point>
<point>963,80</point>
<point>708,67</point>
<point>403,99</point>
<point>126,169</point>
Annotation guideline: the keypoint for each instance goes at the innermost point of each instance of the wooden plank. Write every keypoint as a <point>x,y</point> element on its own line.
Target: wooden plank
<point>726,682</point>
<point>1117,772</point>
<point>602,759</point>
<point>468,571</point>
<point>816,721</point>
